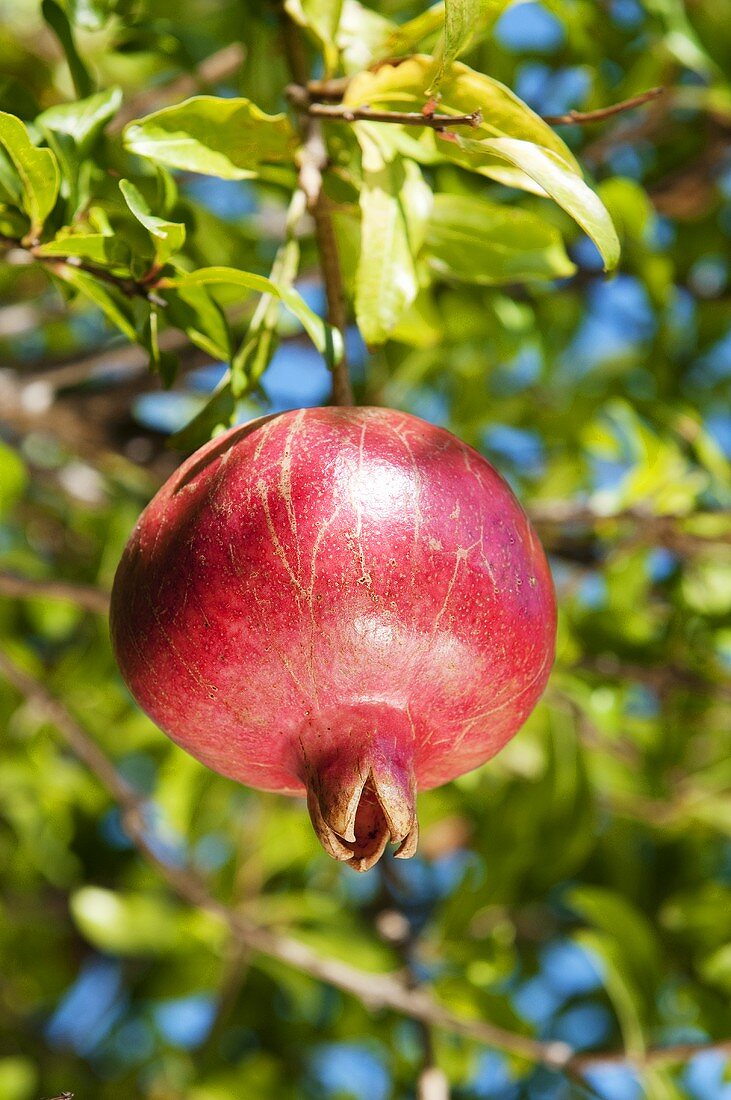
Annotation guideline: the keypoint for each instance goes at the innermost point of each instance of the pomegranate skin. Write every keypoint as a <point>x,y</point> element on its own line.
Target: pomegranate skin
<point>342,603</point>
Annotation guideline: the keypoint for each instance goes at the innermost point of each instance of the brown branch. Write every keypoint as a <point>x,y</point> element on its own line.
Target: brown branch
<point>83,595</point>
<point>340,113</point>
<point>331,90</point>
<point>312,161</point>
<point>303,94</point>
<point>375,991</point>
<point>582,118</point>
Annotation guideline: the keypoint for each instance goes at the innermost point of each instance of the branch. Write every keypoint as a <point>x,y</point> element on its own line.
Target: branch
<point>131,288</point>
<point>312,161</point>
<point>339,113</point>
<point>582,118</point>
<point>375,991</point>
<point>83,595</point>
<point>302,95</point>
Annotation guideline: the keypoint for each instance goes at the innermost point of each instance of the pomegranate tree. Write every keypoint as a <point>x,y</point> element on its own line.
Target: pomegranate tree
<point>347,604</point>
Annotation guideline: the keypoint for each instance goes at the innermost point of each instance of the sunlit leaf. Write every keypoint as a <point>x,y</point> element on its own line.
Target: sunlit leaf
<point>561,183</point>
<point>403,87</point>
<point>168,237</point>
<point>116,306</point>
<point>137,924</point>
<point>14,477</point>
<point>395,204</point>
<point>464,20</point>
<point>229,138</point>
<point>36,168</point>
<point>95,247</point>
<point>83,120</point>
<point>58,21</point>
<point>322,17</point>
<point>325,339</point>
<point>483,242</point>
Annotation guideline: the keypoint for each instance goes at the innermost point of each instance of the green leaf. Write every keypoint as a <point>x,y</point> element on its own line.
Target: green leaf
<point>138,924</point>
<point>95,247</point>
<point>163,363</point>
<point>113,304</point>
<point>168,238</point>
<point>257,347</point>
<point>681,39</point>
<point>37,169</point>
<point>478,241</point>
<point>58,21</point>
<point>406,37</point>
<point>322,18</point>
<point>14,478</point>
<point>618,918</point>
<point>93,14</point>
<point>361,36</point>
<point>11,190</point>
<point>561,183</point>
<point>193,310</point>
<point>463,91</point>
<point>260,341</point>
<point>464,21</point>
<point>625,942</point>
<point>18,1078</point>
<point>228,138</point>
<point>84,120</point>
<point>395,204</point>
<point>326,339</point>
<point>626,998</point>
<point>65,151</point>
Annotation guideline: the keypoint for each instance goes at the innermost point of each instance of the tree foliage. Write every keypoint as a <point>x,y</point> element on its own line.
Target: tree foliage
<point>220,209</point>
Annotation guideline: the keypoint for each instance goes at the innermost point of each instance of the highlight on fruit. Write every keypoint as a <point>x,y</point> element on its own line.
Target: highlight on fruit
<point>346,604</point>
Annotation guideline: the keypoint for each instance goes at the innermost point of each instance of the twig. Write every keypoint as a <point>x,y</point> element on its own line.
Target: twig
<point>582,118</point>
<point>375,991</point>
<point>312,163</point>
<point>83,595</point>
<point>340,113</point>
<point>331,90</point>
<point>304,97</point>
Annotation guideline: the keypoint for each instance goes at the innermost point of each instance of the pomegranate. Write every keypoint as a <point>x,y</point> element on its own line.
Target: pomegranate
<point>344,603</point>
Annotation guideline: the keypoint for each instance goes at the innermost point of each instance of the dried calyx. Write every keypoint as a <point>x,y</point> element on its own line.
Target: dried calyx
<point>360,800</point>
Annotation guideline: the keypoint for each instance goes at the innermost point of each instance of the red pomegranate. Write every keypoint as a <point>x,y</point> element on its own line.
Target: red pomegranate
<point>344,603</point>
